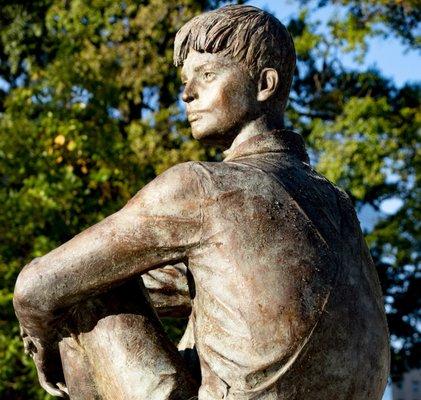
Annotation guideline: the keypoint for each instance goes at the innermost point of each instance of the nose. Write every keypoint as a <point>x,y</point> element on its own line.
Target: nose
<point>189,92</point>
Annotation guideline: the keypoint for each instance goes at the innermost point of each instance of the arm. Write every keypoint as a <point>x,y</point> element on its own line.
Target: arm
<point>157,227</point>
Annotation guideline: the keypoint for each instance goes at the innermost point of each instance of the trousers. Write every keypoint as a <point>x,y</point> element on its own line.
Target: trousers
<point>114,347</point>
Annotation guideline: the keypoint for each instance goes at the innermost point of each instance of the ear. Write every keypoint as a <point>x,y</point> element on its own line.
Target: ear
<point>268,83</point>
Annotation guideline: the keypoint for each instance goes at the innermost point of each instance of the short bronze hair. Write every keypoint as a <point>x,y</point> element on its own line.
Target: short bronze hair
<point>249,35</point>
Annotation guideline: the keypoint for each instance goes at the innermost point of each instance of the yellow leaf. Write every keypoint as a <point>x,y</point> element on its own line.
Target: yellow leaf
<point>59,139</point>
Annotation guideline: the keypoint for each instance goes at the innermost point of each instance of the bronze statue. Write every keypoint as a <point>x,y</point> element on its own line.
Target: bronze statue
<point>265,256</point>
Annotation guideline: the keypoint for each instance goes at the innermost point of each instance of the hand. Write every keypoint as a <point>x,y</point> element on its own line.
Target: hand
<point>48,363</point>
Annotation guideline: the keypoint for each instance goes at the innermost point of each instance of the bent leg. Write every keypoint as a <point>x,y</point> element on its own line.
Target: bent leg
<point>117,350</point>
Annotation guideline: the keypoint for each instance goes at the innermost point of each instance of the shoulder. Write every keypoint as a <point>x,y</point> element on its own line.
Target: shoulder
<point>174,187</point>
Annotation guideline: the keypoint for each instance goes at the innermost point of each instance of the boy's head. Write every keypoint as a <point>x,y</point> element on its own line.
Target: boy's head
<point>247,34</point>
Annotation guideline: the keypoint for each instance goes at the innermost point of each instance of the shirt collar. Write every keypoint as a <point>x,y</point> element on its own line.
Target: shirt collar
<point>276,141</point>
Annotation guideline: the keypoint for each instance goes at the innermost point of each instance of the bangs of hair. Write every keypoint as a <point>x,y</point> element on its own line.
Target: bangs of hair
<point>243,32</point>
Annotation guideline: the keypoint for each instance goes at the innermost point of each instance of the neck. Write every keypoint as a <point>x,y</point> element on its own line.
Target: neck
<point>264,124</point>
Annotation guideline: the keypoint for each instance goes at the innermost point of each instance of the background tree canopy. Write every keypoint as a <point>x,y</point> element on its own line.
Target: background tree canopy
<point>90,112</point>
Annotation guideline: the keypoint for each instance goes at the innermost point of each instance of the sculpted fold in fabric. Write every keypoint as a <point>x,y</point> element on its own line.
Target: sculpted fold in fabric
<point>263,255</point>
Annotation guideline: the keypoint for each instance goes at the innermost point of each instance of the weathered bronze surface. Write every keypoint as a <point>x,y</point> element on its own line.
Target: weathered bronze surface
<point>263,254</point>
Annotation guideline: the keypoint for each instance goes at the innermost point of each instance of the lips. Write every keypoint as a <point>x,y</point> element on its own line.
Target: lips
<point>193,116</point>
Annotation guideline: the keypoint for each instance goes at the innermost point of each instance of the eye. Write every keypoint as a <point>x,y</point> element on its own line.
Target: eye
<point>209,76</point>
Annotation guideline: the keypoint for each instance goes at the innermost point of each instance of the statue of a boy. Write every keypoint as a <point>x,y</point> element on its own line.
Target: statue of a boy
<point>285,301</point>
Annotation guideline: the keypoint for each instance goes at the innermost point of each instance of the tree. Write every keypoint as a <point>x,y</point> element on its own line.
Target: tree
<point>363,134</point>
<point>89,114</point>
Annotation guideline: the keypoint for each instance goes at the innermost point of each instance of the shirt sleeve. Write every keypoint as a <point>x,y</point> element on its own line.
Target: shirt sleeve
<point>159,226</point>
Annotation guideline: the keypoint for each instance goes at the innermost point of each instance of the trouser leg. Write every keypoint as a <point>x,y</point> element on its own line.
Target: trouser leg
<point>118,350</point>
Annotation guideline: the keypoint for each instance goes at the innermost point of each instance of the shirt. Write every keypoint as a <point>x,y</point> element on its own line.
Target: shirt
<point>287,303</point>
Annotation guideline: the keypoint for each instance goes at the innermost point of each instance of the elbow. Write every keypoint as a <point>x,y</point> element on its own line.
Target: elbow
<point>23,296</point>
<point>28,294</point>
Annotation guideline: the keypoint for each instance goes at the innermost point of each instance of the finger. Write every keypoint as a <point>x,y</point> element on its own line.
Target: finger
<point>45,380</point>
<point>53,389</point>
<point>62,386</point>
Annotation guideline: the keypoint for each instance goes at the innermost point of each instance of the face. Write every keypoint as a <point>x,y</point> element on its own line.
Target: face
<point>220,97</point>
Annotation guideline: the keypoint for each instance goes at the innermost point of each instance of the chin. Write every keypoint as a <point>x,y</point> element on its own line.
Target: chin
<point>201,134</point>
<point>212,135</point>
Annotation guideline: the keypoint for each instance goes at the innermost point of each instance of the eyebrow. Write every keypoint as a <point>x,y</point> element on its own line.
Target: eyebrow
<point>211,64</point>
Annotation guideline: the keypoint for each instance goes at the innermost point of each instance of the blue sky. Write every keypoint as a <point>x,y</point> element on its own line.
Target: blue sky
<point>389,56</point>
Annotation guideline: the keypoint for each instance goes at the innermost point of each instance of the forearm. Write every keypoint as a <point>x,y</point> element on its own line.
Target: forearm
<point>62,277</point>
<point>93,261</point>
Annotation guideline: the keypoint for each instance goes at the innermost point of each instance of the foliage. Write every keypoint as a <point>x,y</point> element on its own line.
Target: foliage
<point>363,133</point>
<point>373,17</point>
<point>89,113</point>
